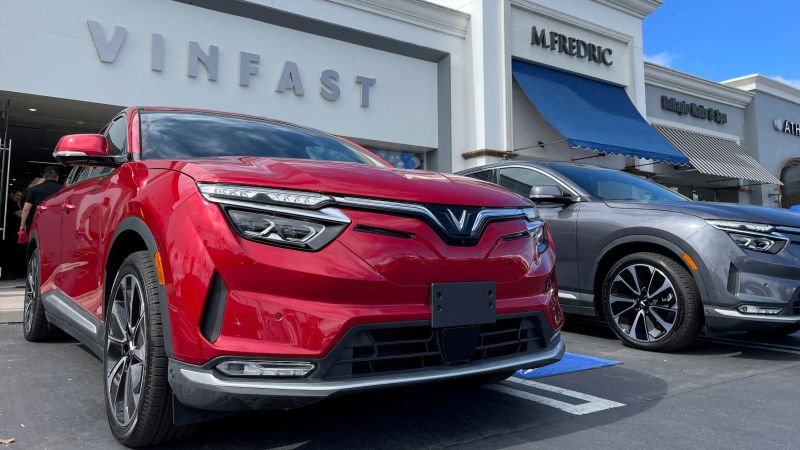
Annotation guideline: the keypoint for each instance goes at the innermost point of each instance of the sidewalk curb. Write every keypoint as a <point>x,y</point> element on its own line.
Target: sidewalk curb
<point>11,316</point>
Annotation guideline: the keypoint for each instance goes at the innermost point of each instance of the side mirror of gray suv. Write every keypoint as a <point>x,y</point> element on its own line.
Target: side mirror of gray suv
<point>549,194</point>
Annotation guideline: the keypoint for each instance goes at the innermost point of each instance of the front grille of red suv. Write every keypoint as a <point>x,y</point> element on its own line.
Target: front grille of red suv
<point>382,351</point>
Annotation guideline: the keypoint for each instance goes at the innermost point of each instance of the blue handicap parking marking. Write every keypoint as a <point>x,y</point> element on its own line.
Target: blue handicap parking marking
<point>571,362</point>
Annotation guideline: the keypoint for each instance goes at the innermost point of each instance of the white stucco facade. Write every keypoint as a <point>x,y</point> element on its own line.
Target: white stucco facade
<point>431,78</point>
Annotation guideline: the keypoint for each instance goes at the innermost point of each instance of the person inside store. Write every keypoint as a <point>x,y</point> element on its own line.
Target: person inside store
<point>10,264</point>
<point>38,194</point>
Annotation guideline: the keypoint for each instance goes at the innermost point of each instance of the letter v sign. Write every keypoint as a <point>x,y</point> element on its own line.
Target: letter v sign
<point>106,50</point>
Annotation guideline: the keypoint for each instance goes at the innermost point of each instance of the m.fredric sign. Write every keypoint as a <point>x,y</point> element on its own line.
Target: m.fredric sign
<point>576,48</point>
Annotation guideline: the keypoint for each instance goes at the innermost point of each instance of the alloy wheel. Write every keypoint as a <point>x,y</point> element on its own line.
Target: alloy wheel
<point>126,347</point>
<point>31,292</point>
<point>643,302</point>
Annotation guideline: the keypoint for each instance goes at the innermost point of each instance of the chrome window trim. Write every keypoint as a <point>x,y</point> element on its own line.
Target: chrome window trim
<point>561,184</point>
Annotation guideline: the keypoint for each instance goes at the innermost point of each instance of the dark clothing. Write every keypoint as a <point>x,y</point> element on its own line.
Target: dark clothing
<point>11,260</point>
<point>12,219</point>
<point>37,195</point>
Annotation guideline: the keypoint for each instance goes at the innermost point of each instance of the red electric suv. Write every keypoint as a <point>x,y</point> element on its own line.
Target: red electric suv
<point>222,262</point>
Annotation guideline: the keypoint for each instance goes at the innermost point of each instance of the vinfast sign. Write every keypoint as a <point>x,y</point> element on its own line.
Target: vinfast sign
<point>693,109</point>
<point>108,48</point>
<point>577,48</point>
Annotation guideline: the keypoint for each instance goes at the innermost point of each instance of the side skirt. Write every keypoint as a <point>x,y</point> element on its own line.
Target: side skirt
<point>577,303</point>
<point>70,317</point>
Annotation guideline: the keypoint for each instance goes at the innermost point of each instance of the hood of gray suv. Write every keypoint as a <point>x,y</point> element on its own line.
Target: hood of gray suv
<point>719,211</point>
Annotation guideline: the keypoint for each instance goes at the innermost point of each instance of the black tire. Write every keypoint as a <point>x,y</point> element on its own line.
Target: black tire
<point>687,318</point>
<point>35,326</point>
<point>150,423</point>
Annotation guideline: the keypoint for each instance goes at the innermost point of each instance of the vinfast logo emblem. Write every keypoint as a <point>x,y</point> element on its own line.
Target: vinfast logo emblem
<point>460,222</point>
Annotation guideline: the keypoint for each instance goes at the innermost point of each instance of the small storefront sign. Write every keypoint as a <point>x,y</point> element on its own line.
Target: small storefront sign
<point>693,109</point>
<point>787,126</point>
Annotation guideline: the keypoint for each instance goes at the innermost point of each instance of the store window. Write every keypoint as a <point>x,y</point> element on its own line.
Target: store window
<point>790,191</point>
<point>401,159</point>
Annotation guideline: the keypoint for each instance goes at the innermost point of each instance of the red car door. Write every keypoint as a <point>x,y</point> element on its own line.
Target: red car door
<point>47,221</point>
<point>88,213</point>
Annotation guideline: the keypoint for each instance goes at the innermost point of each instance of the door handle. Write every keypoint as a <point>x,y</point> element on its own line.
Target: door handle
<point>41,208</point>
<point>68,207</point>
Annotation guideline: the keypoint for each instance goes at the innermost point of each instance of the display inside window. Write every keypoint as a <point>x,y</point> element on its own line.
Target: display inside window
<point>401,159</point>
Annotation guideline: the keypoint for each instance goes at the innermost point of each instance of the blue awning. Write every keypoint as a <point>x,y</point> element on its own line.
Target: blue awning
<point>593,115</point>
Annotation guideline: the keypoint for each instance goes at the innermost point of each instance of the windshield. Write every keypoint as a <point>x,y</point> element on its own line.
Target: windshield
<point>185,135</point>
<point>611,185</point>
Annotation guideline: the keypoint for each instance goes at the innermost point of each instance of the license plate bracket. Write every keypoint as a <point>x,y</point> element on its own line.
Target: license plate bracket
<point>461,304</point>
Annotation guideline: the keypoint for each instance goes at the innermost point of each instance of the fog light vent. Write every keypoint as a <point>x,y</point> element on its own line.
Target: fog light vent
<point>265,368</point>
<point>752,309</point>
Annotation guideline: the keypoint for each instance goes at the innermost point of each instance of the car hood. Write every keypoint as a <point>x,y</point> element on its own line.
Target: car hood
<point>360,180</point>
<point>719,211</point>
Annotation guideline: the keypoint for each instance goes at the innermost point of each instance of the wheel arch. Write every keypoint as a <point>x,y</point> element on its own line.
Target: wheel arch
<point>627,245</point>
<point>133,235</point>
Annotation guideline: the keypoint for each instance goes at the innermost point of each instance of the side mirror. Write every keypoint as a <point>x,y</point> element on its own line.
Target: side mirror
<point>85,150</point>
<point>549,194</point>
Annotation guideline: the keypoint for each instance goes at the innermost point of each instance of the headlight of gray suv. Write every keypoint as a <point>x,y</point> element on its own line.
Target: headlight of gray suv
<point>294,219</point>
<point>752,236</point>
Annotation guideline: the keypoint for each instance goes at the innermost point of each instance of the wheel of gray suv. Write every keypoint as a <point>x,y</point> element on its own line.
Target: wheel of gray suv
<point>35,326</point>
<point>651,302</point>
<point>137,394</point>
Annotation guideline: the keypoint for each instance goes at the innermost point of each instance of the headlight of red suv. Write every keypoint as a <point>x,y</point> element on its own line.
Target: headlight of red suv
<point>278,217</point>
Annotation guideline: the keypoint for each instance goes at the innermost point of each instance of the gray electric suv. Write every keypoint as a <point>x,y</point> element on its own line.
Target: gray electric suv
<point>657,266</point>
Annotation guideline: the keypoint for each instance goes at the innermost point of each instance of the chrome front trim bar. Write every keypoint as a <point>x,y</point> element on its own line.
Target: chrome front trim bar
<point>732,314</point>
<point>202,388</point>
<point>383,205</point>
<point>483,216</point>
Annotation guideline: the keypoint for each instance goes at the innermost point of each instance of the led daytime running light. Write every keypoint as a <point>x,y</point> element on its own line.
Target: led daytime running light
<point>299,198</point>
<point>728,225</point>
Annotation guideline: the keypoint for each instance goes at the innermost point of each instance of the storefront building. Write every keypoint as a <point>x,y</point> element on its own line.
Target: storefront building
<point>773,133</point>
<point>443,85</point>
<point>707,122</point>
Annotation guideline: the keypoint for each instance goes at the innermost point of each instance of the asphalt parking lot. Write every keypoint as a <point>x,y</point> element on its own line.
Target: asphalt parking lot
<point>717,394</point>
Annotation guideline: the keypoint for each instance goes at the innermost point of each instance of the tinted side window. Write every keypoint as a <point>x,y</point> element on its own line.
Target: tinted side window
<point>116,135</point>
<point>485,175</point>
<point>74,175</point>
<point>521,180</point>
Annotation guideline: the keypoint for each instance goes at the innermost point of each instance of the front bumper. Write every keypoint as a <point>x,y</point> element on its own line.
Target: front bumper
<point>726,319</point>
<point>203,387</point>
<point>733,277</point>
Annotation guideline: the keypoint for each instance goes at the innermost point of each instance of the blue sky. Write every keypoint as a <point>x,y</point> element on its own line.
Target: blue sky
<point>723,39</point>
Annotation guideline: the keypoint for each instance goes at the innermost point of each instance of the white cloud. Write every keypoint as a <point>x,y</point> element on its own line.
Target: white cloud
<point>795,83</point>
<point>662,58</point>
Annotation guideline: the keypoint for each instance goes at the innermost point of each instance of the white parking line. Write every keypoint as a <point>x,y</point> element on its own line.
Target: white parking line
<point>593,404</point>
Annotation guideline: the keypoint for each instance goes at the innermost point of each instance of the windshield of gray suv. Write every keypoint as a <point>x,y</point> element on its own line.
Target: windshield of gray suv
<point>613,185</point>
<point>188,135</point>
